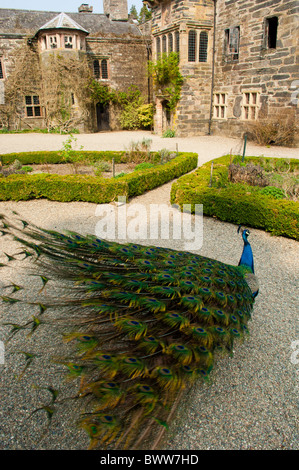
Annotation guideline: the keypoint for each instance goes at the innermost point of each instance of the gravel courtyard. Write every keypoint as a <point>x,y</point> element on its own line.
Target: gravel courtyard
<point>251,400</point>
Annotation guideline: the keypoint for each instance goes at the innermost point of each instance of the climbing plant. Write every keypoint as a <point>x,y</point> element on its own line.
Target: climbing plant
<point>167,79</point>
<point>134,113</point>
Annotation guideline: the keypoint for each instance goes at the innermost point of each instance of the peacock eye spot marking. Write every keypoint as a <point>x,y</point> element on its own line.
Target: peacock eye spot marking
<point>108,418</point>
<point>200,330</point>
<point>132,359</point>
<point>166,371</point>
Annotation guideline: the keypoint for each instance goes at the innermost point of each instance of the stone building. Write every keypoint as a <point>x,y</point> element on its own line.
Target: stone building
<point>110,45</point>
<point>239,60</point>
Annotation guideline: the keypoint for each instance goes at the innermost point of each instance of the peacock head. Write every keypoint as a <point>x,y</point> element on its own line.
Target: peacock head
<point>245,232</point>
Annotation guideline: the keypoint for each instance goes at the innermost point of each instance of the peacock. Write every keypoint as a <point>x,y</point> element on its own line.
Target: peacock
<point>143,323</point>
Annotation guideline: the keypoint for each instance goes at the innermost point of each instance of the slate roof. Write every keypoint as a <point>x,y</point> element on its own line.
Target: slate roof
<point>30,21</point>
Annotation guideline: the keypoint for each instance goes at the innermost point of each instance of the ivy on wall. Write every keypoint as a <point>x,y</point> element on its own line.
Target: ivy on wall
<point>167,79</point>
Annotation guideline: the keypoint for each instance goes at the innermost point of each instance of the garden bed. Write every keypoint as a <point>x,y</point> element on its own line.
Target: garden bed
<point>82,187</point>
<point>240,203</point>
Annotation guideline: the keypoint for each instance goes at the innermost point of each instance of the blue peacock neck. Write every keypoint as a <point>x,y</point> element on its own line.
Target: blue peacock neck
<point>247,255</point>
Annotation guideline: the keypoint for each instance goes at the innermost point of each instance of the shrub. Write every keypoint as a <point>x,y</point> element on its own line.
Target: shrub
<point>237,203</point>
<point>168,133</point>
<point>276,130</point>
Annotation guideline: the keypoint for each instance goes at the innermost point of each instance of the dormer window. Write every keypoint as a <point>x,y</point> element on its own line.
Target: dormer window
<point>68,42</point>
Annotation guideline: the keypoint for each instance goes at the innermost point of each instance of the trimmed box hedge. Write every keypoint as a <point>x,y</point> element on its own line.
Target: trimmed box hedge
<point>92,188</point>
<point>239,203</point>
<point>52,157</point>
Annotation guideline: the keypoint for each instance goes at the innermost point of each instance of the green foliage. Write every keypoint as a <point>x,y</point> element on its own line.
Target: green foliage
<point>70,155</point>
<point>51,130</point>
<point>146,116</point>
<point>272,191</point>
<point>52,157</point>
<point>133,12</point>
<point>27,168</point>
<point>238,203</point>
<point>134,113</point>
<point>168,133</point>
<point>145,14</point>
<point>167,79</point>
<point>143,166</point>
<point>101,166</point>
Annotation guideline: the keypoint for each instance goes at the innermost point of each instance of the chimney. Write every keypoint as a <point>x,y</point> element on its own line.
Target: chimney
<point>116,9</point>
<point>85,8</point>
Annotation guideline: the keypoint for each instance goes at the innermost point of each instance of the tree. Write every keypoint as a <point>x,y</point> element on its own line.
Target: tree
<point>145,14</point>
<point>133,12</point>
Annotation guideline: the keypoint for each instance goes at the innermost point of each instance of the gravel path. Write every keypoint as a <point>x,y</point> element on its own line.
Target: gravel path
<point>250,402</point>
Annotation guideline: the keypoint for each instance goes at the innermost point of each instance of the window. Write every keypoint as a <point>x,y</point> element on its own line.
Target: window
<point>220,104</point>
<point>53,42</point>
<point>177,41</point>
<point>32,106</point>
<point>271,32</point>
<point>68,42</point>
<point>104,67</point>
<point>250,105</point>
<point>191,45</point>
<point>1,70</point>
<point>100,68</point>
<point>158,47</point>
<point>72,99</point>
<point>170,42</point>
<point>231,43</point>
<point>164,44</point>
<point>203,46</point>
<point>96,68</point>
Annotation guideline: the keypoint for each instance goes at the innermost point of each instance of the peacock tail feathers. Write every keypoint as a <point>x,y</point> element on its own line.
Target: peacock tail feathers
<point>143,323</point>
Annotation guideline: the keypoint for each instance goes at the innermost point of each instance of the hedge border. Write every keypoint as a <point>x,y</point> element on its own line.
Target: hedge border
<point>92,188</point>
<point>241,205</point>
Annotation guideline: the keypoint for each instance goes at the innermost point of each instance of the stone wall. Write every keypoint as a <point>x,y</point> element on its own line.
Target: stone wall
<point>179,17</point>
<point>256,63</point>
<point>260,68</point>
<point>120,43</point>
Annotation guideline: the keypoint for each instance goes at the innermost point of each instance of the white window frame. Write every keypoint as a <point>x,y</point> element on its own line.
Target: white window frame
<point>250,104</point>
<point>220,105</point>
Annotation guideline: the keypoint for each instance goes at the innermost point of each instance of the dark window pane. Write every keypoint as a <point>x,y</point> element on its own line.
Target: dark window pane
<point>164,47</point>
<point>272,24</point>
<point>177,41</point>
<point>203,46</point>
<point>158,46</point>
<point>191,46</point>
<point>29,111</point>
<point>37,111</point>
<point>170,42</point>
<point>28,99</point>
<point>104,69</point>
<point>1,70</point>
<point>36,100</point>
<point>96,68</point>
